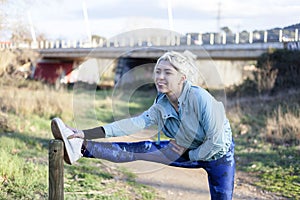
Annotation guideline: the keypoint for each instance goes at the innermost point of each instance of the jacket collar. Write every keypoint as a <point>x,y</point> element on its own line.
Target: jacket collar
<point>185,93</point>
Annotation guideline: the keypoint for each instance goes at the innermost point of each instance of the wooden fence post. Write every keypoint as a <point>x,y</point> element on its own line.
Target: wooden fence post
<point>56,170</point>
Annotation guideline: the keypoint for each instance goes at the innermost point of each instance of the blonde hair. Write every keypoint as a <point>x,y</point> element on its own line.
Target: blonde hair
<point>182,62</point>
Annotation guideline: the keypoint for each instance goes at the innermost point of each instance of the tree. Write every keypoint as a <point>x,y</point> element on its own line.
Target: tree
<point>2,14</point>
<point>12,21</point>
<point>20,33</point>
<point>226,29</point>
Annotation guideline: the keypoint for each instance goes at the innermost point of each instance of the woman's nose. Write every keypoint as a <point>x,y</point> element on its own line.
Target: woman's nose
<point>160,76</point>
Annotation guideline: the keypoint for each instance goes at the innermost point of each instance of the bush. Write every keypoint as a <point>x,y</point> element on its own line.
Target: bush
<point>283,67</point>
<point>3,122</point>
<point>248,88</point>
<point>12,60</point>
<point>276,71</point>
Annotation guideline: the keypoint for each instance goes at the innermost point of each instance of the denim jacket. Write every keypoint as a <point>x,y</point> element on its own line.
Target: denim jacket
<point>199,125</point>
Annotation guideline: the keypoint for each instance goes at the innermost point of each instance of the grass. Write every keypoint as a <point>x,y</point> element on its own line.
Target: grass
<point>24,137</point>
<point>277,168</point>
<point>268,143</point>
<point>21,157</point>
<point>266,131</point>
<point>93,180</point>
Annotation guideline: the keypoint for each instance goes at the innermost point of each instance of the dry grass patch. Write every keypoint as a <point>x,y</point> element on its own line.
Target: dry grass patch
<point>283,128</point>
<point>45,103</point>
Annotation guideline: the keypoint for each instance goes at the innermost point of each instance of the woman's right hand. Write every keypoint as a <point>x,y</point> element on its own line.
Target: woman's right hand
<point>177,148</point>
<point>77,134</point>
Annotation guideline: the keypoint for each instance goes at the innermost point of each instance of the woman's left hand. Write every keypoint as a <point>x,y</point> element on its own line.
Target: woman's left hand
<point>177,148</point>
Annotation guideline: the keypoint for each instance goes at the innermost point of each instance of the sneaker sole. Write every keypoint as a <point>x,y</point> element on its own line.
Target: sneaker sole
<point>58,135</point>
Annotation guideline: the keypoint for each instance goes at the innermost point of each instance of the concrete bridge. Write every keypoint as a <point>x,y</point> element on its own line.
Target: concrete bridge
<point>243,45</point>
<point>232,60</point>
<point>232,63</point>
<point>218,52</point>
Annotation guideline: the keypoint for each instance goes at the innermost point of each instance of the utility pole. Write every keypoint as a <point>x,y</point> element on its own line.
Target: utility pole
<point>171,25</point>
<point>86,20</point>
<point>219,22</point>
<point>170,15</point>
<point>219,17</point>
<point>33,36</point>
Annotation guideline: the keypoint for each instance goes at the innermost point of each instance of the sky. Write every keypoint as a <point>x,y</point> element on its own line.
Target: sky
<point>67,19</point>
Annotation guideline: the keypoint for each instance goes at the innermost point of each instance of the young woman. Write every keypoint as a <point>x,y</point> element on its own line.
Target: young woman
<point>199,132</point>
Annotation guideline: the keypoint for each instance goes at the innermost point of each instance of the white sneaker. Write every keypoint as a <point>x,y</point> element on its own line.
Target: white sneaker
<point>72,146</point>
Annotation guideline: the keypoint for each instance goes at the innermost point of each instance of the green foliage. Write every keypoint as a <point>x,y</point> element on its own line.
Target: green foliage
<point>287,64</point>
<point>94,180</point>
<point>276,71</point>
<point>20,178</point>
<point>24,144</point>
<point>249,87</point>
<point>264,148</point>
<point>24,151</point>
<point>278,168</point>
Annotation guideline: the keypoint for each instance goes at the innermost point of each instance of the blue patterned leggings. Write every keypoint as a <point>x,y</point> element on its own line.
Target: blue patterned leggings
<point>220,172</point>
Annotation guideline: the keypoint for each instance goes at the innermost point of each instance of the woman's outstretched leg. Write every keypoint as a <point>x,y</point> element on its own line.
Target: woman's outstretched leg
<point>145,150</point>
<point>117,151</point>
<point>127,151</point>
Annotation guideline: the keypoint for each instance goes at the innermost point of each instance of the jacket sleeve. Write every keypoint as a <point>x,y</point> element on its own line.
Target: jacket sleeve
<point>131,125</point>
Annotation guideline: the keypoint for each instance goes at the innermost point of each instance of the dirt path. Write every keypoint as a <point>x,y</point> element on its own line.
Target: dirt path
<point>174,183</point>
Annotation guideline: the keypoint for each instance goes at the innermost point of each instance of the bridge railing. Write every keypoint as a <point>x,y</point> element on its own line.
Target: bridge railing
<point>223,38</point>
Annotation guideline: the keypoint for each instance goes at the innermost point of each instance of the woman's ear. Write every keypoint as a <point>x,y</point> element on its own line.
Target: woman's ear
<point>182,79</point>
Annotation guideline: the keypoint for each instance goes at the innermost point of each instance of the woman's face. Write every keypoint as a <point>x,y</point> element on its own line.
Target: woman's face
<point>167,79</point>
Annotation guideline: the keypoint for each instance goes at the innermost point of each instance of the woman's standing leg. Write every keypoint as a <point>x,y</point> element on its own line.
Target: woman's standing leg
<point>221,176</point>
